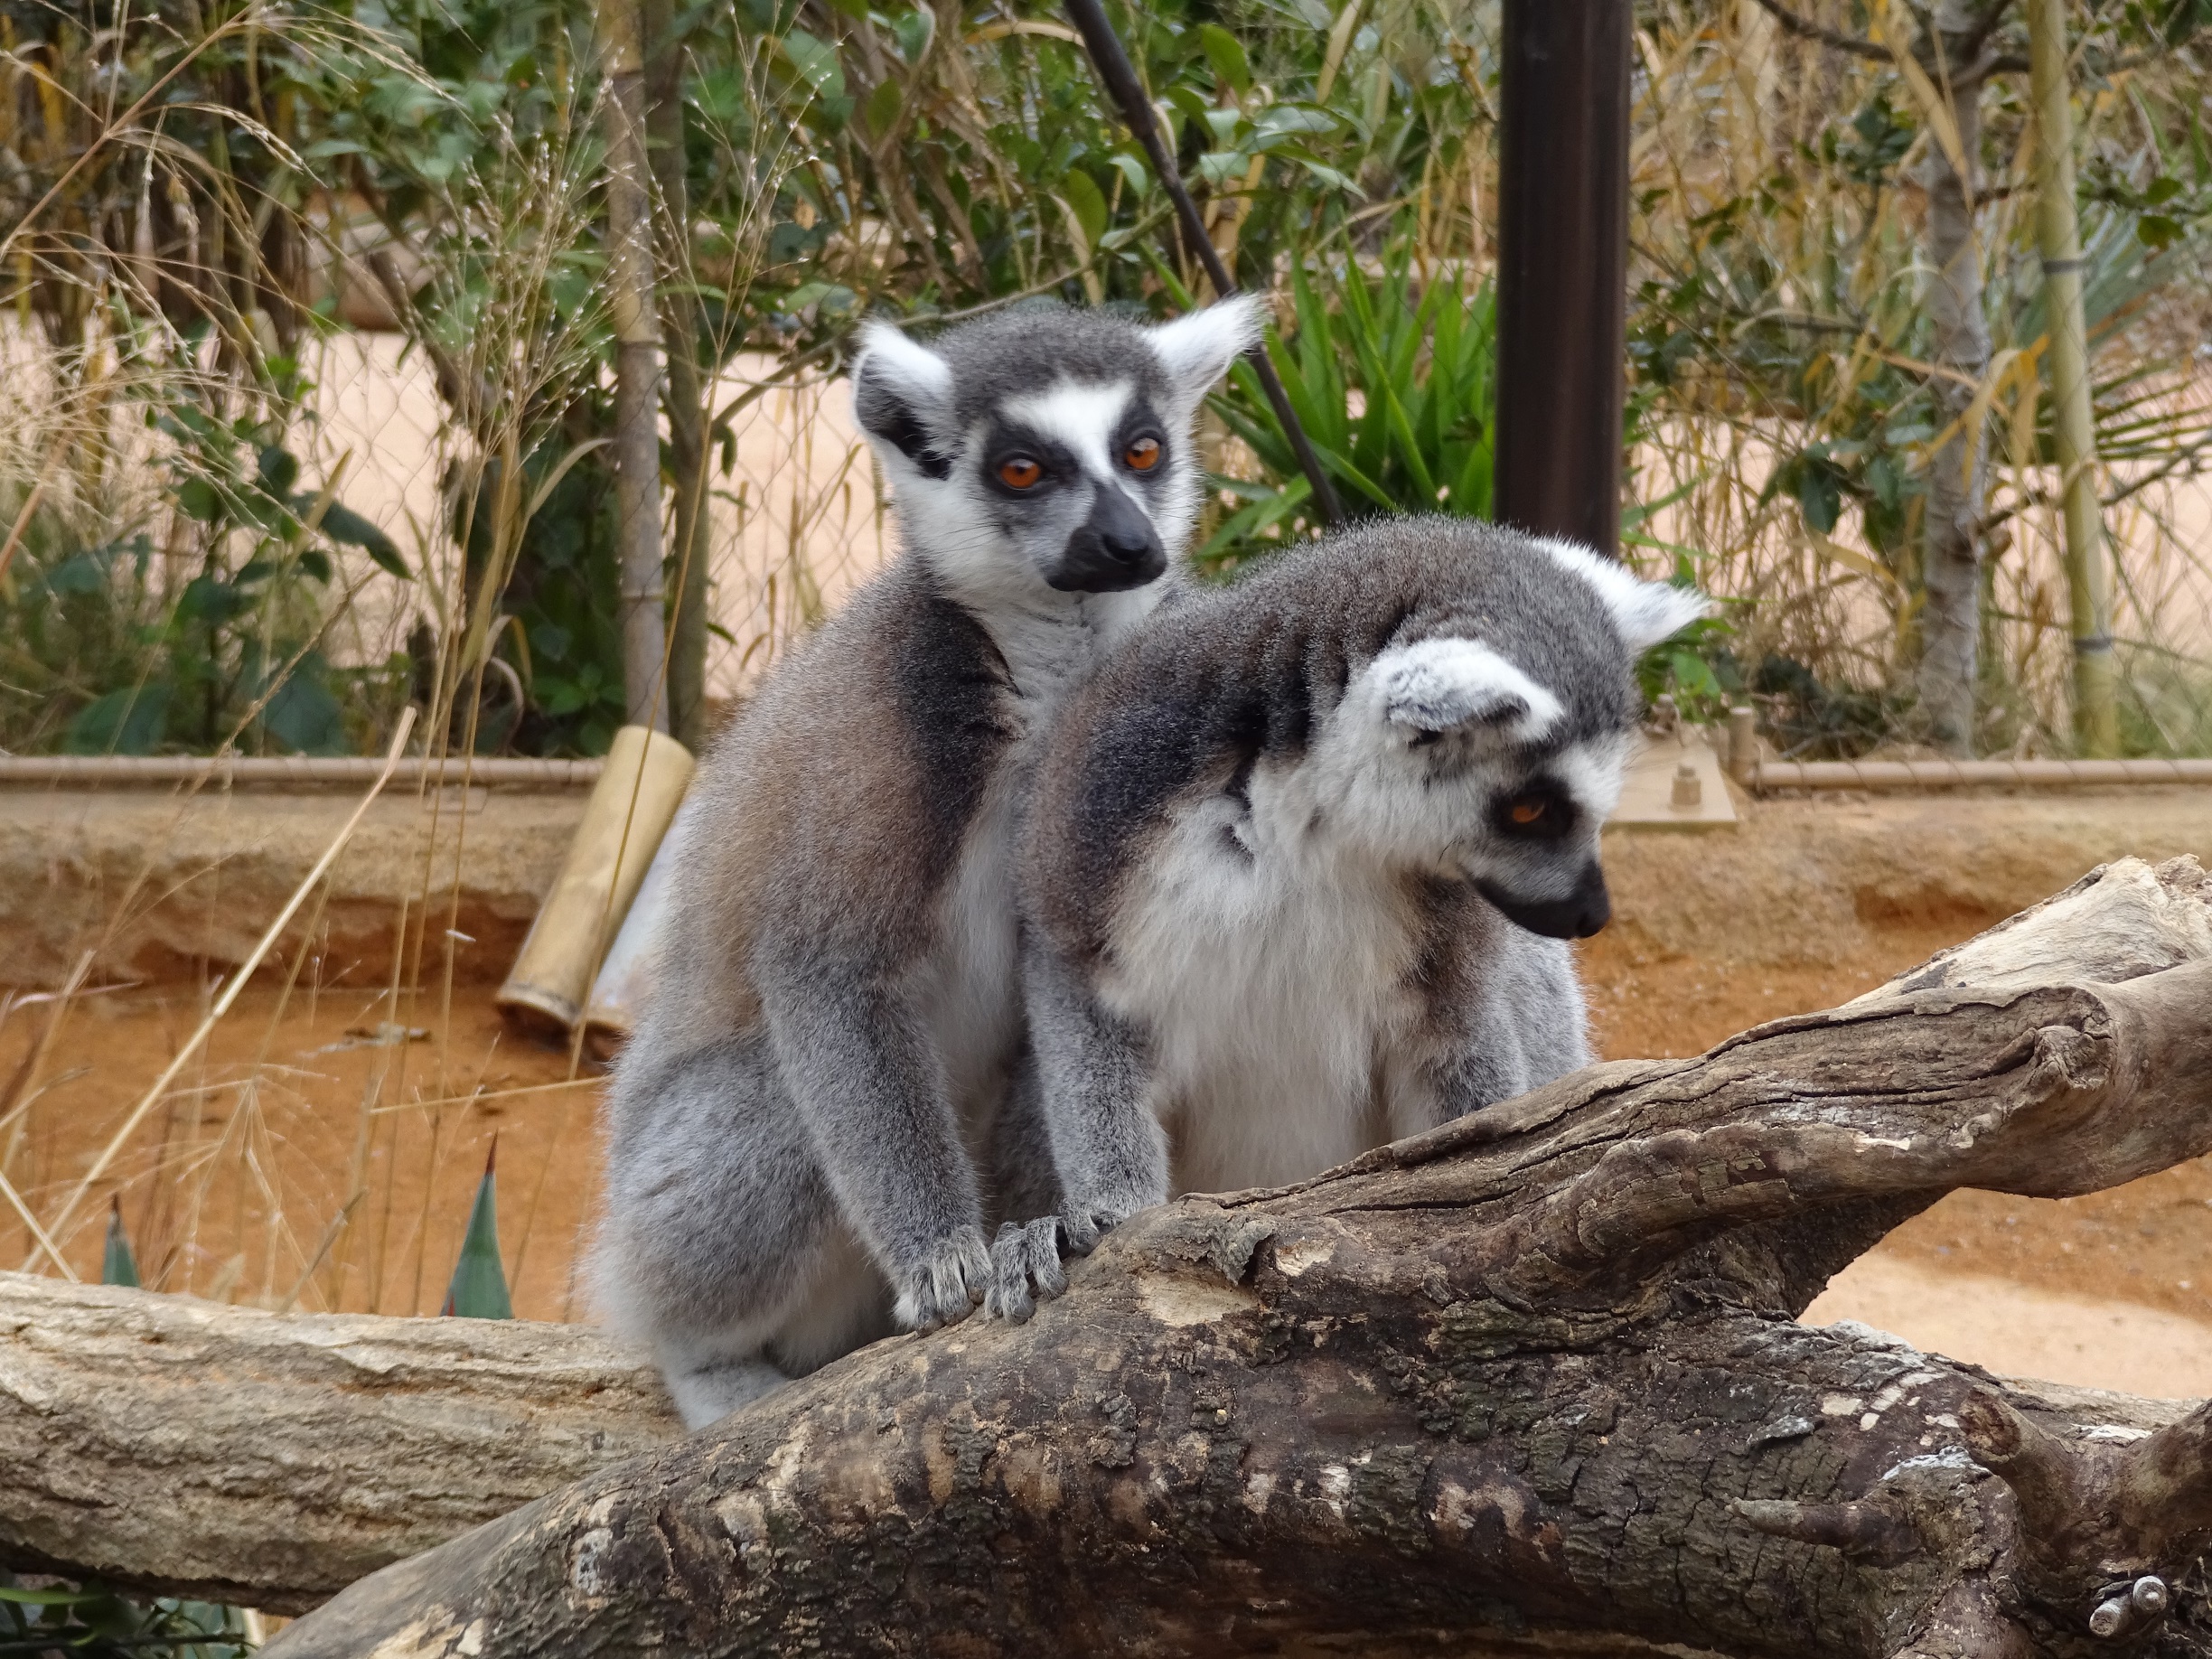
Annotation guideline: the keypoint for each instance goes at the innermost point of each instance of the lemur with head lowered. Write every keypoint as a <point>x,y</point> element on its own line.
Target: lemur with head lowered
<point>1304,854</point>
<point>800,1136</point>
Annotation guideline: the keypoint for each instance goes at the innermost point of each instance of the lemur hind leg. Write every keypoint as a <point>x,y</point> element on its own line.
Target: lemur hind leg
<point>726,1255</point>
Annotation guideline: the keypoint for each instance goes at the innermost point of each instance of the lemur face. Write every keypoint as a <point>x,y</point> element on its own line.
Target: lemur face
<point>1476,771</point>
<point>1046,448</point>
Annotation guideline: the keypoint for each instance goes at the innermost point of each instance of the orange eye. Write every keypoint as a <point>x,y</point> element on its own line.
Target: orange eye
<point>1142,455</point>
<point>1525,813</point>
<point>1019,473</point>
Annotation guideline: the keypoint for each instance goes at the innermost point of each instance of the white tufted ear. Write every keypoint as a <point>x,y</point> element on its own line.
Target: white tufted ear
<point>1442,684</point>
<point>901,395</point>
<point>1646,612</point>
<point>1197,349</point>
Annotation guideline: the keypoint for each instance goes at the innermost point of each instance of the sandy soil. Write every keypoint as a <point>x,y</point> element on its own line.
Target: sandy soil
<point>293,1111</point>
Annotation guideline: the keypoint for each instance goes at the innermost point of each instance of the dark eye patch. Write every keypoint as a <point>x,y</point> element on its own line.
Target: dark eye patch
<point>1005,442</point>
<point>1539,811</point>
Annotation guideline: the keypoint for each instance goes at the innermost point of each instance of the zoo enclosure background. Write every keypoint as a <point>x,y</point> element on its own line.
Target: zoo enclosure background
<point>300,239</point>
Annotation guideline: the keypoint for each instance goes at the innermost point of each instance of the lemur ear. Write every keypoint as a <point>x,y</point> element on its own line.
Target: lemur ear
<point>1646,612</point>
<point>1197,349</point>
<point>902,398</point>
<point>1443,685</point>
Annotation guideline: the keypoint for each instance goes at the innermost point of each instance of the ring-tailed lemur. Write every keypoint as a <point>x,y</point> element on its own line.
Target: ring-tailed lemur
<point>796,1127</point>
<point>1303,856</point>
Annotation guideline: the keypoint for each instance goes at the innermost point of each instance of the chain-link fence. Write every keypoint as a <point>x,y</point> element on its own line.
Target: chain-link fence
<point>795,516</point>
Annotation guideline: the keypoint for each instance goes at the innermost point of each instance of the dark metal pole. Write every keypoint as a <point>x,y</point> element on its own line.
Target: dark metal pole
<point>1562,267</point>
<point>1119,76</point>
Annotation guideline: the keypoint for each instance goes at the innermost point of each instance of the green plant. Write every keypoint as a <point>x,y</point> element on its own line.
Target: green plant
<point>1394,380</point>
<point>479,1287</point>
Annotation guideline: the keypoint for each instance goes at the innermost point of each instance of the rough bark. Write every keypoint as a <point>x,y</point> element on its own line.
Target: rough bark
<point>1951,542</point>
<point>222,1452</point>
<point>1532,1380</point>
<point>637,368</point>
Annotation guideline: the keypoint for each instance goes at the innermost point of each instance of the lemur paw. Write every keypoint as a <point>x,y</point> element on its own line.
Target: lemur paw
<point>946,1284</point>
<point>1025,1269</point>
<point>1085,1223</point>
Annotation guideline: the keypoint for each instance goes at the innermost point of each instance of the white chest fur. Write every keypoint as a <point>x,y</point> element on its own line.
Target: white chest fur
<point>1270,985</point>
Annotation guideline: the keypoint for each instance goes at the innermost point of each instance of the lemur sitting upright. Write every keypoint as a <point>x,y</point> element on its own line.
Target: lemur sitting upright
<point>796,1127</point>
<point>1303,856</point>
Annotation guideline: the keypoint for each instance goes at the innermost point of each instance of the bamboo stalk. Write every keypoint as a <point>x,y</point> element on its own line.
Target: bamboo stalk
<point>2096,718</point>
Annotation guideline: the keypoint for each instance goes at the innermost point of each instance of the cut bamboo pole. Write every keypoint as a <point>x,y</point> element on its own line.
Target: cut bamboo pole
<point>2096,718</point>
<point>628,814</point>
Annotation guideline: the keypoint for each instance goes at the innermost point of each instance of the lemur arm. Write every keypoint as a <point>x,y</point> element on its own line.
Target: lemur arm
<point>1516,1020</point>
<point>869,1086</point>
<point>1109,1147</point>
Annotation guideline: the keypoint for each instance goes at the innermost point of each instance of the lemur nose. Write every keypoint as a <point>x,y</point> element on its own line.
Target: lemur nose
<point>1123,531</point>
<point>1113,549</point>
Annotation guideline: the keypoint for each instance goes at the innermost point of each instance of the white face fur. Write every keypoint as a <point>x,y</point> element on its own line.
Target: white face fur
<point>1016,485</point>
<point>1443,756</point>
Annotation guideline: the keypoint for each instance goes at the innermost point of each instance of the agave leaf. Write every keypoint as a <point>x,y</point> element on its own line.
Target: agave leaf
<point>479,1287</point>
<point>118,1265</point>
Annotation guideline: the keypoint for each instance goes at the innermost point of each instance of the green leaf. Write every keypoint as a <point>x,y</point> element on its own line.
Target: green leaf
<point>479,1287</point>
<point>210,600</point>
<point>1223,166</point>
<point>1226,54</point>
<point>79,573</point>
<point>200,499</point>
<point>2158,231</point>
<point>342,524</point>
<point>302,715</point>
<point>118,1265</point>
<point>880,113</point>
<point>1818,496</point>
<point>276,470</point>
<point>914,30</point>
<point>1134,173</point>
<point>128,721</point>
<point>1088,205</point>
<point>816,62</point>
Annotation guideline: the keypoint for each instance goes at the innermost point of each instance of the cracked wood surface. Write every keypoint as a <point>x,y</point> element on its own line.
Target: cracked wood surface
<point>1528,1382</point>
<point>226,1453</point>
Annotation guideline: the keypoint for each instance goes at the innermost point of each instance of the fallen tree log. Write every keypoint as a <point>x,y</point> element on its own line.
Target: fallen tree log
<point>1525,1384</point>
<point>223,1453</point>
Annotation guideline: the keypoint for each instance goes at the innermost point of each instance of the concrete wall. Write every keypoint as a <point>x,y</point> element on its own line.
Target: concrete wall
<point>159,888</point>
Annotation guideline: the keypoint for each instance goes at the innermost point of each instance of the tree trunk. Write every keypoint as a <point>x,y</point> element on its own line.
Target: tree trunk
<point>1951,543</point>
<point>232,1454</point>
<point>1530,1379</point>
<point>683,392</point>
<point>637,369</point>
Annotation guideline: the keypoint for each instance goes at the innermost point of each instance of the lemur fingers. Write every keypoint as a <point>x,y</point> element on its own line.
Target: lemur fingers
<point>1025,1269</point>
<point>1084,1225</point>
<point>947,1284</point>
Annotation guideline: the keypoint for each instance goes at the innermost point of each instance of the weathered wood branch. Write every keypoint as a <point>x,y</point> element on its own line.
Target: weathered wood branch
<point>1530,1379</point>
<point>222,1452</point>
